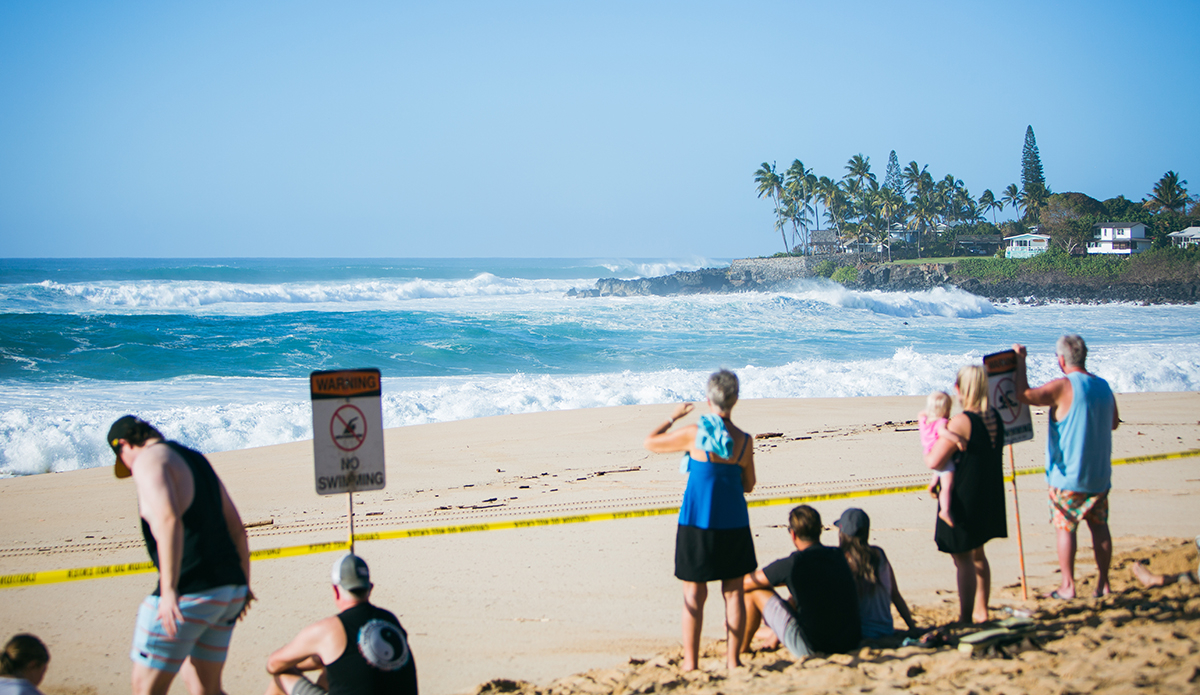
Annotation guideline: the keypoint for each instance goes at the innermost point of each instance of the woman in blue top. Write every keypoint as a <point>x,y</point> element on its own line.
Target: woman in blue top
<point>713,540</point>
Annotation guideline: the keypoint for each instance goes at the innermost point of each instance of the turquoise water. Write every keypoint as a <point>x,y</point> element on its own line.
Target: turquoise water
<point>217,352</point>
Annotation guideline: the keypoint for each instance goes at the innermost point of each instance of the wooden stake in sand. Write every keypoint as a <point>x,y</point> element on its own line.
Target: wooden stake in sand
<point>1012,464</point>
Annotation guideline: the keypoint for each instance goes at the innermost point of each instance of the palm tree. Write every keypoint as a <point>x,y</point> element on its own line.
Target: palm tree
<point>798,187</point>
<point>925,204</point>
<point>770,184</point>
<point>987,202</point>
<point>912,176</point>
<point>1013,196</point>
<point>1169,194</point>
<point>859,167</point>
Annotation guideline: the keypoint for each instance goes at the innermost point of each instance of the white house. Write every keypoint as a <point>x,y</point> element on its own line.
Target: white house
<point>1122,238</point>
<point>1186,237</point>
<point>1025,245</point>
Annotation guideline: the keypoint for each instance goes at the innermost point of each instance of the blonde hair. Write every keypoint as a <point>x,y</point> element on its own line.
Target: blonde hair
<point>938,404</point>
<point>972,387</point>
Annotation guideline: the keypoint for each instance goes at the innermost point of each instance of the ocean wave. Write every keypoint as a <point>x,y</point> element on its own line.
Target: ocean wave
<point>939,301</point>
<point>191,295</point>
<point>62,428</point>
<point>632,269</point>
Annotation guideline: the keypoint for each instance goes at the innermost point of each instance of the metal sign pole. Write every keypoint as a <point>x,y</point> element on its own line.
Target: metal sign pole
<point>1012,462</point>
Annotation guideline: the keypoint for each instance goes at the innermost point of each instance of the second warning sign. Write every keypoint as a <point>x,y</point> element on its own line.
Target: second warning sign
<point>347,431</point>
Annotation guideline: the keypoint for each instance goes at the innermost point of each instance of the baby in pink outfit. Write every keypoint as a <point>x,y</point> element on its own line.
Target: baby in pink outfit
<point>932,423</point>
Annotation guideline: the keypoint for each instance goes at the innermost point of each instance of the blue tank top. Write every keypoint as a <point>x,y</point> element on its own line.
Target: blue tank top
<point>1079,447</point>
<point>714,497</point>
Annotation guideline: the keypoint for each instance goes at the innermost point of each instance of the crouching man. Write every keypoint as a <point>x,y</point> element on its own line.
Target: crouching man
<point>362,650</point>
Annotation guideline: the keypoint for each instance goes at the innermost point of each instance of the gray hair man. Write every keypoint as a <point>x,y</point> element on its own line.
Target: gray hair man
<point>1083,414</point>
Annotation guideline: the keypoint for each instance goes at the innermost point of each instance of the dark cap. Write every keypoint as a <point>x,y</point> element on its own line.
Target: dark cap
<point>123,428</point>
<point>350,572</point>
<point>854,522</point>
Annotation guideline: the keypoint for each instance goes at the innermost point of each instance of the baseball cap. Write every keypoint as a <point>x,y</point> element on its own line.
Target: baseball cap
<point>350,572</point>
<point>122,429</point>
<point>854,522</point>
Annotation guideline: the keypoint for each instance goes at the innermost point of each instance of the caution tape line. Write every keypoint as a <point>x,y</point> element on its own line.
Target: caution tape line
<point>71,575</point>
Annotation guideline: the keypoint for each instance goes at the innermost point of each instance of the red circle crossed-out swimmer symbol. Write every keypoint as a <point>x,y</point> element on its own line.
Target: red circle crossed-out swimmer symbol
<point>348,428</point>
<point>1005,400</point>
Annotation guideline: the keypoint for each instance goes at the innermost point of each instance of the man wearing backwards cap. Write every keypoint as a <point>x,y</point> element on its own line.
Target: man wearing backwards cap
<point>196,540</point>
<point>362,650</point>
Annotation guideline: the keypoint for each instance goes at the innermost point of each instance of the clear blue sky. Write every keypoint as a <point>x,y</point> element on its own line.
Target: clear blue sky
<point>574,129</point>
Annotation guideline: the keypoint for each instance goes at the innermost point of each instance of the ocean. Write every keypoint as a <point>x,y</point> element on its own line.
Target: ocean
<point>217,352</point>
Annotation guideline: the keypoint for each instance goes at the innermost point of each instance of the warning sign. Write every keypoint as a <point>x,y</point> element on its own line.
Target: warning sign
<point>347,431</point>
<point>1002,395</point>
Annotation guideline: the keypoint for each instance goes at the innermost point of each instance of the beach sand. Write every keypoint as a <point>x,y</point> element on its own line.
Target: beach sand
<point>529,606</point>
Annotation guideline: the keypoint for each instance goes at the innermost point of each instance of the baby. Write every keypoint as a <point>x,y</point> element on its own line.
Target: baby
<point>932,423</point>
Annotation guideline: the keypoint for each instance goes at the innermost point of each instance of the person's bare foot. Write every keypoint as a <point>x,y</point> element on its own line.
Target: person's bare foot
<point>944,515</point>
<point>1145,577</point>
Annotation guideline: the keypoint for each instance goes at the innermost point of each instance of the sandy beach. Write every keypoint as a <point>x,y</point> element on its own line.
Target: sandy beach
<point>531,606</point>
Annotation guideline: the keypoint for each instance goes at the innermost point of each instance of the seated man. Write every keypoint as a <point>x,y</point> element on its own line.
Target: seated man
<point>824,617</point>
<point>362,650</point>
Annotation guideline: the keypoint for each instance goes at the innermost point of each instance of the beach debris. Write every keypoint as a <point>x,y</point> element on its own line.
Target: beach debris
<point>261,522</point>
<point>768,435</point>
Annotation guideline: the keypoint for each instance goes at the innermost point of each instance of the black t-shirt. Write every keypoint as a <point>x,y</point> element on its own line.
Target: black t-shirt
<point>826,597</point>
<point>377,660</point>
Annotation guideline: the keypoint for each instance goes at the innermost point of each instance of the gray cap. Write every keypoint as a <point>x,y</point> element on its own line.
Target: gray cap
<point>854,522</point>
<point>350,572</point>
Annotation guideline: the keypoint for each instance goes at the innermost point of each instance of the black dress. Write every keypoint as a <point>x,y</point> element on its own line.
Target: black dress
<point>977,503</point>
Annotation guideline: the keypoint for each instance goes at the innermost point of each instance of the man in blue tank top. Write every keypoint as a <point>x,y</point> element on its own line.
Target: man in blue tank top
<point>198,543</point>
<point>362,650</point>
<point>1083,414</point>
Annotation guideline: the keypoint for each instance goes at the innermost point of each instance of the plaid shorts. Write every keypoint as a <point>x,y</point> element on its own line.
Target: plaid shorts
<point>1068,508</point>
<point>204,634</point>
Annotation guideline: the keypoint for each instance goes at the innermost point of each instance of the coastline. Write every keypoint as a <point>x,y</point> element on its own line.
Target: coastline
<point>535,604</point>
<point>781,274</point>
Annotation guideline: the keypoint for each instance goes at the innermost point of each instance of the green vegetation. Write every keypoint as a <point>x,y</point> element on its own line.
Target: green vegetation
<point>914,214</point>
<point>825,269</point>
<point>1156,264</point>
<point>845,275</point>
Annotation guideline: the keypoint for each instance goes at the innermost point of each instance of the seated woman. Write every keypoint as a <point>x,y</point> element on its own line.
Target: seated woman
<point>873,575</point>
<point>23,665</point>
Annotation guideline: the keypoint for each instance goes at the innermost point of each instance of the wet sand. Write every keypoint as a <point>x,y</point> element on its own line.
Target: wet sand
<point>535,604</point>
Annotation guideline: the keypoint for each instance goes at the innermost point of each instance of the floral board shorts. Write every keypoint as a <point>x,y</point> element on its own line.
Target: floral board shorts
<point>1068,508</point>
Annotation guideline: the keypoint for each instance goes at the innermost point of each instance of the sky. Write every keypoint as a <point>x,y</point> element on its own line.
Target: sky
<point>577,129</point>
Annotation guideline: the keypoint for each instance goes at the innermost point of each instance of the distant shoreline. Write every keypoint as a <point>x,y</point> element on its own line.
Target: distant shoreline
<point>776,274</point>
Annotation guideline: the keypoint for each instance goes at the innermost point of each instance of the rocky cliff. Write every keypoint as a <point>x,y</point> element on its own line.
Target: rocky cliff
<point>766,274</point>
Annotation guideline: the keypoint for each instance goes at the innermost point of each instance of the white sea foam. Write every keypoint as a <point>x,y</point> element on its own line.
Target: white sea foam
<point>648,269</point>
<point>939,301</point>
<point>166,295</point>
<point>62,427</point>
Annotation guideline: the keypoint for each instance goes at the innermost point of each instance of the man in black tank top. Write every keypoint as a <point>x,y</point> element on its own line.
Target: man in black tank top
<point>198,543</point>
<point>362,650</point>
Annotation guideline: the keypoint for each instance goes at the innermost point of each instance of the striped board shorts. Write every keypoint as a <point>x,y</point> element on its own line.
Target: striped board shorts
<point>204,634</point>
<point>1068,508</point>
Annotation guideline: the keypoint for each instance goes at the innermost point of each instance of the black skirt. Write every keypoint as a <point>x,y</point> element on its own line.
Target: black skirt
<point>706,555</point>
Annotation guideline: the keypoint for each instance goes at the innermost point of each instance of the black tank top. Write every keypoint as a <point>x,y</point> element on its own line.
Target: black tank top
<point>377,660</point>
<point>210,558</point>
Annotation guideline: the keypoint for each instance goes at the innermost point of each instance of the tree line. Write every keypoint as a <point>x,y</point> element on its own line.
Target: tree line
<point>861,210</point>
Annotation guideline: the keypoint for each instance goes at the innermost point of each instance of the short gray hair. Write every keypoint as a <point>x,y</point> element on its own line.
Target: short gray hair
<point>723,390</point>
<point>1072,349</point>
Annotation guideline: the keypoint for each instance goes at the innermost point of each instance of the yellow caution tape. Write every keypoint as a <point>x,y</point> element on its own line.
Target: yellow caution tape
<point>71,575</point>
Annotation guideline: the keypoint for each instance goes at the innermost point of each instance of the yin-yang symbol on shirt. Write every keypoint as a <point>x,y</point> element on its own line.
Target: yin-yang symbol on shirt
<point>383,645</point>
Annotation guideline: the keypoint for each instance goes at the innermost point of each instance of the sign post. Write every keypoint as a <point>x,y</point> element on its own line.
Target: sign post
<point>347,433</point>
<point>1018,427</point>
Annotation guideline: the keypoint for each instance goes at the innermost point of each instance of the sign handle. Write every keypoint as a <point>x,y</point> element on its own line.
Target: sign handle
<point>1012,462</point>
<point>350,515</point>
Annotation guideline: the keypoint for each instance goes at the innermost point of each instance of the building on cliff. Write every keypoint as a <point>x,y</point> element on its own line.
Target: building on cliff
<point>1025,245</point>
<point>1122,238</point>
